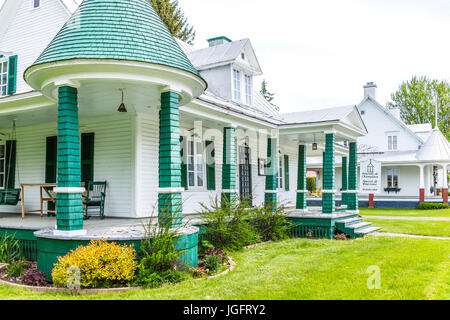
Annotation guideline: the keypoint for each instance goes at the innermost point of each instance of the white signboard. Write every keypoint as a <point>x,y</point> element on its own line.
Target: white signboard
<point>370,176</point>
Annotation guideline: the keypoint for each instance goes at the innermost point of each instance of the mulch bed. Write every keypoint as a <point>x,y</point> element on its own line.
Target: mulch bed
<point>18,280</point>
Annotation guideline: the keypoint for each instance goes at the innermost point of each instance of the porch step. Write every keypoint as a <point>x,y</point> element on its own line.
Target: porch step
<point>355,227</point>
<point>366,231</point>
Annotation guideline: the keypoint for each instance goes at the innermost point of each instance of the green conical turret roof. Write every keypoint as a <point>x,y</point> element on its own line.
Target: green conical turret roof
<point>119,30</point>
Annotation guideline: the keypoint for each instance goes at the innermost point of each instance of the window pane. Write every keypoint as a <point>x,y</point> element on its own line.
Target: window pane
<point>1,180</point>
<point>390,143</point>
<point>2,166</point>
<point>389,181</point>
<point>191,179</point>
<point>2,151</point>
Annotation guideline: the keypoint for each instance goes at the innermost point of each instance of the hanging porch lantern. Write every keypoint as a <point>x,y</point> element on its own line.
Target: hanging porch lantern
<point>122,107</point>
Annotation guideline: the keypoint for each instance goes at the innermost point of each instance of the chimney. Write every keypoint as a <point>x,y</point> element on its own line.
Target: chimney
<point>395,112</point>
<point>218,41</point>
<point>370,90</point>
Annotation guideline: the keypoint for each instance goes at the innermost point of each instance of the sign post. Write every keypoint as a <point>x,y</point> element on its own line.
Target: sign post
<point>370,178</point>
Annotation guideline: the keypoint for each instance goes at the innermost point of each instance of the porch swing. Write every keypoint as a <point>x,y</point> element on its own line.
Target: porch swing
<point>10,196</point>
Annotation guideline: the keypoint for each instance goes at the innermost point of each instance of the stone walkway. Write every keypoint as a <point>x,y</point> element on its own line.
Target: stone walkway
<point>388,234</point>
<point>409,218</point>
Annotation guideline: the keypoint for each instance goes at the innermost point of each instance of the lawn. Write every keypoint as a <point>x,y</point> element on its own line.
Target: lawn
<point>310,269</point>
<point>424,228</point>
<point>404,212</point>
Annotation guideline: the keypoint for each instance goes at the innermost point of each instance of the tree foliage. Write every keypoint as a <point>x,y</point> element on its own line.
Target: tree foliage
<point>417,102</point>
<point>174,19</point>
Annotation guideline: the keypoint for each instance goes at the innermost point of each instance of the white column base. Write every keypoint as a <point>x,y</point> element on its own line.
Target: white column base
<point>352,211</point>
<point>71,233</point>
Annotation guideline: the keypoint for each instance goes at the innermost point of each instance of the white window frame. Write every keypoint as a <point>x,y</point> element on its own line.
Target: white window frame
<point>280,174</point>
<point>4,67</point>
<point>391,172</point>
<point>195,170</point>
<point>237,84</point>
<point>248,83</point>
<point>392,142</point>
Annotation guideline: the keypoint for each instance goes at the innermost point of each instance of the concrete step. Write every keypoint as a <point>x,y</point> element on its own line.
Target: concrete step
<point>359,226</point>
<point>366,231</point>
<point>349,221</point>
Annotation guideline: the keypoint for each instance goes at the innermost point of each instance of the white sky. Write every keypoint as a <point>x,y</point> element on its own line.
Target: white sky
<point>320,53</point>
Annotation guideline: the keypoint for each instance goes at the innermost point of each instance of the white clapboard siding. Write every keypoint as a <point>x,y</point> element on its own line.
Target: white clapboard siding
<point>29,33</point>
<point>113,161</point>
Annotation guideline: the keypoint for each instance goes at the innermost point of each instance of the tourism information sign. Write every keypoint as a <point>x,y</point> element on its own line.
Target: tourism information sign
<point>370,176</point>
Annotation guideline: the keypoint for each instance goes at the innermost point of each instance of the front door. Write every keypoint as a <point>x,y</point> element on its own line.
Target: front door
<point>245,174</point>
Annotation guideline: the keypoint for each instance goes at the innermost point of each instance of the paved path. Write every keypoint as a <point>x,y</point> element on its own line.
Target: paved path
<point>409,218</point>
<point>388,234</point>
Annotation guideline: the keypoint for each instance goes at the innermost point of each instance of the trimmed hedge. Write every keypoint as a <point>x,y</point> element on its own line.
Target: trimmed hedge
<point>432,206</point>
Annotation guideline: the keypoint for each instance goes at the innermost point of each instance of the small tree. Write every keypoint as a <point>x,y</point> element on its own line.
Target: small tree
<point>174,19</point>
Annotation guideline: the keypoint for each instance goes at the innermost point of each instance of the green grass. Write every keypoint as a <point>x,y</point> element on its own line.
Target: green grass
<point>309,269</point>
<point>404,212</point>
<point>424,228</point>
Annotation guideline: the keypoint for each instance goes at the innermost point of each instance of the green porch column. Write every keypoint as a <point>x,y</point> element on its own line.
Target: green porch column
<point>69,205</point>
<point>352,193</point>
<point>229,192</point>
<point>170,209</point>
<point>270,198</point>
<point>328,191</point>
<point>301,179</point>
<point>344,181</point>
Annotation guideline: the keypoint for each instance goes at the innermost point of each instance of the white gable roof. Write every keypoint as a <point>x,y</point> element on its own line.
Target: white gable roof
<point>436,148</point>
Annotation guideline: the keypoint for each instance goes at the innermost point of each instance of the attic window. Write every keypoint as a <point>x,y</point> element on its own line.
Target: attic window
<point>36,3</point>
<point>243,56</point>
<point>363,112</point>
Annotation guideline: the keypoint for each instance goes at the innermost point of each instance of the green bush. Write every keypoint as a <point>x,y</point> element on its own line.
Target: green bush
<point>212,263</point>
<point>271,223</point>
<point>311,184</point>
<point>432,206</point>
<point>229,224</point>
<point>16,268</point>
<point>160,255</point>
<point>10,249</point>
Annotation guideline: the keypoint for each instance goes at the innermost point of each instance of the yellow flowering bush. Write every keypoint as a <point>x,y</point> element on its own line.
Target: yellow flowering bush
<point>100,264</point>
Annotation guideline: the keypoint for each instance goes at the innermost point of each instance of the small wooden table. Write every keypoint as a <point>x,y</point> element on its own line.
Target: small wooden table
<point>49,198</point>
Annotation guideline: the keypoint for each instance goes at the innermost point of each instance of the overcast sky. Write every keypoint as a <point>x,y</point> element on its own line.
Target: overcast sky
<point>320,53</point>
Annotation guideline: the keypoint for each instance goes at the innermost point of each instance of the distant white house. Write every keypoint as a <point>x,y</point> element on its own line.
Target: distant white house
<point>415,159</point>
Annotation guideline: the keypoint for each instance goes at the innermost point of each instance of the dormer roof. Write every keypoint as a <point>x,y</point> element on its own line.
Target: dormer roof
<point>224,54</point>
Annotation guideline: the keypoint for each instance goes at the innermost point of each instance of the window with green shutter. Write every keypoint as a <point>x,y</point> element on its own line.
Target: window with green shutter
<point>12,74</point>
<point>210,165</point>
<point>87,157</point>
<point>286,172</point>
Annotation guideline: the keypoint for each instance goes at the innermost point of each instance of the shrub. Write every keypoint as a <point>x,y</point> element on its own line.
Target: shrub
<point>212,263</point>
<point>198,272</point>
<point>34,278</point>
<point>311,184</point>
<point>160,256</point>
<point>10,249</point>
<point>271,223</point>
<point>229,224</point>
<point>16,268</point>
<point>102,264</point>
<point>432,206</point>
<point>216,252</point>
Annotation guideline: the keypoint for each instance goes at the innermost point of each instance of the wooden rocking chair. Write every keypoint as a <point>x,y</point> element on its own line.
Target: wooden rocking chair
<point>95,198</point>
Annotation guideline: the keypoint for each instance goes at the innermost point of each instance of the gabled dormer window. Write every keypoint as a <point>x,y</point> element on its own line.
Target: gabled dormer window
<point>248,89</point>
<point>8,75</point>
<point>236,85</point>
<point>392,143</point>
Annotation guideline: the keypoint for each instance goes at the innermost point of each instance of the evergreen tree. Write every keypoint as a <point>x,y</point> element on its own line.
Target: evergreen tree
<point>266,94</point>
<point>174,19</point>
<point>417,102</point>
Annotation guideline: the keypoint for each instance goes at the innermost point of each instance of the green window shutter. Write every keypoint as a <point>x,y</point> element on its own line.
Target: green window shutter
<point>51,159</point>
<point>10,164</point>
<point>210,165</point>
<point>12,74</point>
<point>286,172</point>
<point>184,182</point>
<point>87,157</point>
